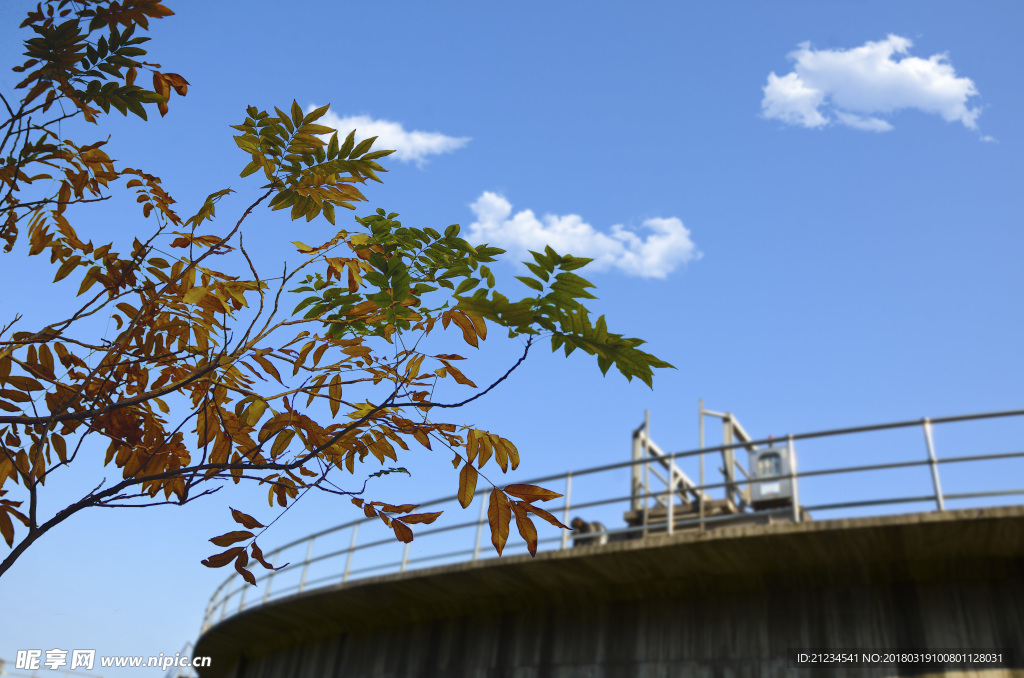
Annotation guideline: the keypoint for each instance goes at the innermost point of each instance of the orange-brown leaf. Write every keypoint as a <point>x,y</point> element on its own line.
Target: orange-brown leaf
<point>459,376</point>
<point>545,515</point>
<point>244,519</point>
<point>268,366</point>
<point>231,538</point>
<point>466,325</point>
<point>467,484</point>
<point>240,563</point>
<point>257,553</point>
<point>421,437</point>
<point>531,493</point>
<point>499,514</point>
<point>391,508</point>
<point>402,531</point>
<point>6,527</point>
<point>223,558</point>
<point>425,518</point>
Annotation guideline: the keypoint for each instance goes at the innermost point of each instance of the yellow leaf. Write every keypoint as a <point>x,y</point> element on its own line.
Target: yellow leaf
<point>483,449</point>
<point>527,530</point>
<point>253,413</point>
<point>61,447</point>
<point>413,369</point>
<point>471,445</point>
<point>467,484</point>
<point>281,442</point>
<point>303,248</point>
<point>334,391</point>
<point>505,447</point>
<point>498,517</point>
<point>194,295</point>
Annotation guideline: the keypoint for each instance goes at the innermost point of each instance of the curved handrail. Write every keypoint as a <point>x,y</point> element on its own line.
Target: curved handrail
<point>222,598</point>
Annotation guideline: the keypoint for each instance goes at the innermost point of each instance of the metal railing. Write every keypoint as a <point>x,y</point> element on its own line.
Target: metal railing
<point>355,559</point>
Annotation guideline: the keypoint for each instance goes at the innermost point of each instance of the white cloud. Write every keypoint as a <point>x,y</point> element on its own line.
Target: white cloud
<point>666,247</point>
<point>855,85</point>
<point>409,145</point>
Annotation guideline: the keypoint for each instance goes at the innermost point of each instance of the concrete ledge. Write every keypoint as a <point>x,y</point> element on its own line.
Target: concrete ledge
<point>965,545</point>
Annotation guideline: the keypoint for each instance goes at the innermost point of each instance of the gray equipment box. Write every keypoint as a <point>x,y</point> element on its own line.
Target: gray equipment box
<point>765,465</point>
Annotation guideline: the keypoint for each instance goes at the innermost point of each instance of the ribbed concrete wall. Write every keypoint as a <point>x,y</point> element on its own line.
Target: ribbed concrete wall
<point>728,603</point>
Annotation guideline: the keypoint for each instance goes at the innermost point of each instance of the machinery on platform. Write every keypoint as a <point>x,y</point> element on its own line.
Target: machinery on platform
<point>665,499</point>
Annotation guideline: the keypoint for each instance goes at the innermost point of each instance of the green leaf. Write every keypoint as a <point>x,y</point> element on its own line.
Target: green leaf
<point>466,285</point>
<point>530,282</point>
<point>316,114</point>
<point>363,147</point>
<point>347,146</point>
<point>537,270</point>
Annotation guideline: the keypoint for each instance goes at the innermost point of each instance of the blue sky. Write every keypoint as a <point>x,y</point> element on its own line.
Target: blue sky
<point>813,210</point>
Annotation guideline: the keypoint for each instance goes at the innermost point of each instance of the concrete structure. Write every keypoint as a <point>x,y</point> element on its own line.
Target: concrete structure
<point>728,602</point>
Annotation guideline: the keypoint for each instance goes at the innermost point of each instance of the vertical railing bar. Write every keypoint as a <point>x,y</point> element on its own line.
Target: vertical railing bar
<point>565,511</point>
<point>305,566</point>
<point>796,488</point>
<point>933,462</point>
<point>224,605</point>
<point>241,602</point>
<point>351,550</point>
<point>405,556</point>
<point>479,527</point>
<point>702,490</point>
<point>270,577</point>
<point>670,492</point>
<point>635,472</point>
<point>647,468</point>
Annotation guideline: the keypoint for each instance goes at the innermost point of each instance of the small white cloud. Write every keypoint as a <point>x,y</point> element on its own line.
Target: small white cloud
<point>859,122</point>
<point>857,84</point>
<point>989,140</point>
<point>409,145</point>
<point>666,247</point>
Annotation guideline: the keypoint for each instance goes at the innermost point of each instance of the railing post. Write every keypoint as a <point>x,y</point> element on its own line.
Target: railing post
<point>636,479</point>
<point>479,527</point>
<point>933,462</point>
<point>700,499</point>
<point>405,556</point>
<point>305,566</point>
<point>796,488</point>
<point>351,550</point>
<point>670,492</point>
<point>224,605</point>
<point>647,469</point>
<point>565,511</point>
<point>241,600</point>
<point>270,577</point>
